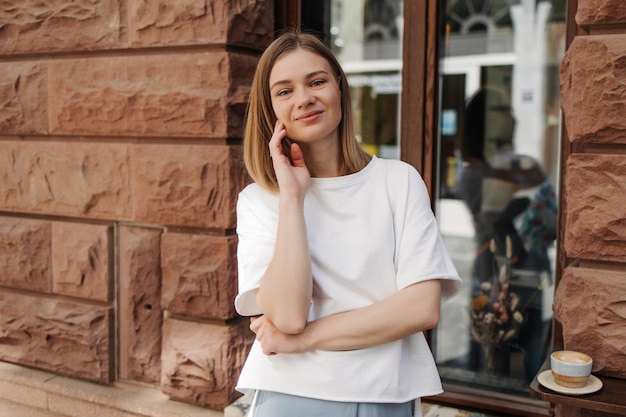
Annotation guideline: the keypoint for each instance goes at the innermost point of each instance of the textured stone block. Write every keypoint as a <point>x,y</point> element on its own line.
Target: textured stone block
<point>595,187</point>
<point>26,254</point>
<point>593,89</point>
<point>65,25</point>
<point>82,260</point>
<point>23,97</point>
<point>189,185</point>
<point>65,179</point>
<point>63,337</point>
<point>199,275</point>
<point>187,22</point>
<point>600,12</point>
<point>141,316</point>
<point>201,361</point>
<point>193,94</point>
<point>589,303</point>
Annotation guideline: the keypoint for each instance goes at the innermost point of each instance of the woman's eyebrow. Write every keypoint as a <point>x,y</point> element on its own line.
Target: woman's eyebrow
<point>308,76</point>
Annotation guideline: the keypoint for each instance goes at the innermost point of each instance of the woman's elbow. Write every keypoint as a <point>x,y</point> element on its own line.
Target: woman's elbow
<point>432,319</point>
<point>291,326</point>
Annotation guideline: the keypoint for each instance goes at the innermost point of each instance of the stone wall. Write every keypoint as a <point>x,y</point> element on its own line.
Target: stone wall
<point>589,301</point>
<point>120,163</point>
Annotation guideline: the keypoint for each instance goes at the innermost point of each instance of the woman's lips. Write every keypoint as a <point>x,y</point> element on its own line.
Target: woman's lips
<point>309,117</point>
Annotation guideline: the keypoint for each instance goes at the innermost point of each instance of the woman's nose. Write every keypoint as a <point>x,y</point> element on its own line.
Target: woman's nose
<point>304,97</point>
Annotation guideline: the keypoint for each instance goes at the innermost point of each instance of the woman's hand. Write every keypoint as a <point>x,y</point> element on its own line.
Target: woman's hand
<point>293,179</point>
<point>272,340</point>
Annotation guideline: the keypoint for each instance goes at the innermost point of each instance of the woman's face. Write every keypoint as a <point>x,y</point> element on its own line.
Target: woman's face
<point>305,96</point>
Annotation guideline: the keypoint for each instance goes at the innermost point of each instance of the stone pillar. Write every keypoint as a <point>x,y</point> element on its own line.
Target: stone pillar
<point>590,294</point>
<point>120,164</point>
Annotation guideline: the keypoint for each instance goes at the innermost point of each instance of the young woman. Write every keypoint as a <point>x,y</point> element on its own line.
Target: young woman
<point>340,258</point>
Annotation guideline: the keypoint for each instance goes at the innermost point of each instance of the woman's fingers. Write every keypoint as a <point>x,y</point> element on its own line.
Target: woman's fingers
<point>296,155</point>
<point>256,325</point>
<point>275,143</point>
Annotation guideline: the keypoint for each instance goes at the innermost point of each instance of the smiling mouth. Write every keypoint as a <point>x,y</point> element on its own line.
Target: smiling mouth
<point>309,116</point>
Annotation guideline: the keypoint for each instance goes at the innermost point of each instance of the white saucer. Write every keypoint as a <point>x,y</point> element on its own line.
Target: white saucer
<point>547,380</point>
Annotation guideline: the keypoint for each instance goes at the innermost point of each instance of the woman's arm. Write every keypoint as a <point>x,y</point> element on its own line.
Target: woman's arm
<point>411,310</point>
<point>285,292</point>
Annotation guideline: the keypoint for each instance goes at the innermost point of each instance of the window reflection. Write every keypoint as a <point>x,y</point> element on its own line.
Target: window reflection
<point>366,37</point>
<point>497,203</point>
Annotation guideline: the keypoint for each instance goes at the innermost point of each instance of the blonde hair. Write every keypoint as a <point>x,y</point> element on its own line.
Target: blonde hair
<point>260,119</point>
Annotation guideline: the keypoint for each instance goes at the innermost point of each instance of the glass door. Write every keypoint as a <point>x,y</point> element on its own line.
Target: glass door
<point>496,193</point>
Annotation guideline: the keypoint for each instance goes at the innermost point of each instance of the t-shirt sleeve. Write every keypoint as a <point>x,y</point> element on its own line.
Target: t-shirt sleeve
<point>255,249</point>
<point>421,253</point>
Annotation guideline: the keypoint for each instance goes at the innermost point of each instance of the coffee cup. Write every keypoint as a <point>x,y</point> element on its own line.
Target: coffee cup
<point>570,369</point>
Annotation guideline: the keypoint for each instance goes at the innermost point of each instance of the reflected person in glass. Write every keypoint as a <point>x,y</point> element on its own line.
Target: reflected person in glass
<point>514,212</point>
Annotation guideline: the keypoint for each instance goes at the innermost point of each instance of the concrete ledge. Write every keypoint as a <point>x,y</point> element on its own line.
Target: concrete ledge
<point>11,409</point>
<point>62,396</point>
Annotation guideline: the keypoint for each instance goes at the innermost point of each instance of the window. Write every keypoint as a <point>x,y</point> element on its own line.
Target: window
<point>496,194</point>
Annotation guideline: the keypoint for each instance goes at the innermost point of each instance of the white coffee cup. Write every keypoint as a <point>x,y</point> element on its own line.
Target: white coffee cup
<point>570,368</point>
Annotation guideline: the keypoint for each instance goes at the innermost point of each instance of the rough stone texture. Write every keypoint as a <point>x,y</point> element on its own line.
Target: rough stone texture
<point>65,179</point>
<point>600,12</point>
<point>590,305</point>
<point>189,185</point>
<point>199,275</point>
<point>64,337</point>
<point>141,316</point>
<point>37,26</point>
<point>188,22</point>
<point>117,122</point>
<point>593,89</point>
<point>25,254</point>
<point>201,362</point>
<point>23,96</point>
<point>82,260</point>
<point>595,187</point>
<point>200,94</point>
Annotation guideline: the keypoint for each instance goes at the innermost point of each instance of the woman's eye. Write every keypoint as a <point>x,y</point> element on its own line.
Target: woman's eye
<point>317,83</point>
<point>282,92</point>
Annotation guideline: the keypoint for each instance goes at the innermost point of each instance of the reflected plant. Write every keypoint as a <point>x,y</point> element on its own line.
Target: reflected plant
<point>497,315</point>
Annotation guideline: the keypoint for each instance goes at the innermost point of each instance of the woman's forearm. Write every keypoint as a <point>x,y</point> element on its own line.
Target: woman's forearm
<point>411,310</point>
<point>286,288</point>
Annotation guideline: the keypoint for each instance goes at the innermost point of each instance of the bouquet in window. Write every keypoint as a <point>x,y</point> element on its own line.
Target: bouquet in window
<point>496,313</point>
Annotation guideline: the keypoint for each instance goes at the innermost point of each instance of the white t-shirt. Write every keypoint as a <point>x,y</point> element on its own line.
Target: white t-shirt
<point>370,234</point>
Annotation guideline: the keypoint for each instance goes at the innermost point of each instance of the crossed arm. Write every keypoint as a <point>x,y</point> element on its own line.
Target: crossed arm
<point>411,310</point>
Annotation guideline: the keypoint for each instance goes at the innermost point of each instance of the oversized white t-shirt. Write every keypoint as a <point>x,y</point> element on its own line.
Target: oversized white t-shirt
<point>370,234</point>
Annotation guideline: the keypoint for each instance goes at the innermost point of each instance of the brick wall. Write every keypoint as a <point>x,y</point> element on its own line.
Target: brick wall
<point>589,301</point>
<point>120,127</point>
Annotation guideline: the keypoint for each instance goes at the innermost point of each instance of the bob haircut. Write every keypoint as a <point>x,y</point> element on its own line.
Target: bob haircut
<point>261,119</point>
